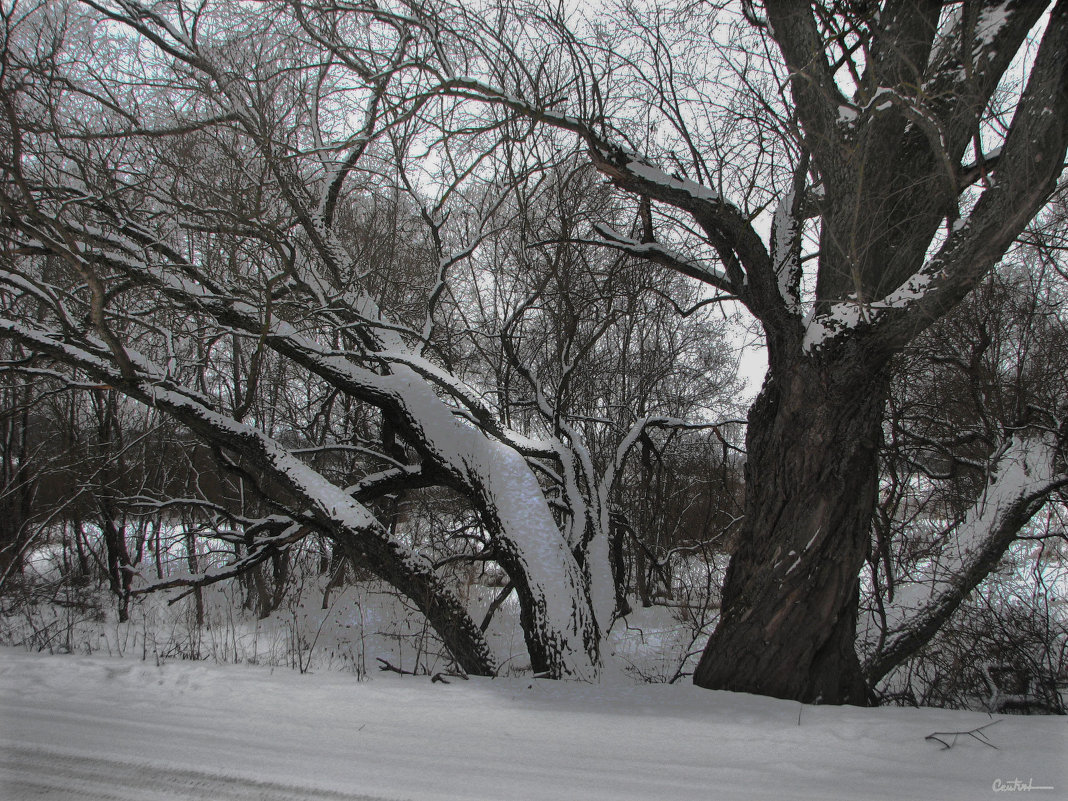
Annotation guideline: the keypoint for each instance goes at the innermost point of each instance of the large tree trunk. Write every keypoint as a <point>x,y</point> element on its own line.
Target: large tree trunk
<point>789,612</point>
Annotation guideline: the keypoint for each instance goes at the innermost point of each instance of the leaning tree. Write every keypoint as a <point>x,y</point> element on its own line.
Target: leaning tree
<point>217,209</point>
<point>197,174</point>
<point>899,148</point>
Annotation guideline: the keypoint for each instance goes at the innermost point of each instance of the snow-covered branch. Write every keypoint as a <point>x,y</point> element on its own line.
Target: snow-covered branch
<point>1026,470</point>
<point>664,256</point>
<point>331,507</point>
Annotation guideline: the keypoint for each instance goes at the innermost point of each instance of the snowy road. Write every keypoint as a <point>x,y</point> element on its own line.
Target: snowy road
<point>96,728</point>
<point>37,772</point>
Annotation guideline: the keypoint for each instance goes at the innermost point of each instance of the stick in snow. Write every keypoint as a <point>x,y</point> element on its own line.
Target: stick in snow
<point>977,733</point>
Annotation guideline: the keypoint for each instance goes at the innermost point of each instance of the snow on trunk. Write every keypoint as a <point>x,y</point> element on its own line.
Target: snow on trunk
<point>559,623</point>
<point>558,619</point>
<point>785,251</point>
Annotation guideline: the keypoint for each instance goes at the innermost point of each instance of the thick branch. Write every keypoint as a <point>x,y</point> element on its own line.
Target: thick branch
<point>1026,174</point>
<point>816,95</point>
<point>1022,480</point>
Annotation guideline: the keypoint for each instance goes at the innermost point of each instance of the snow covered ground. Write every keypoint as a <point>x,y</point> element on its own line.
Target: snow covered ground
<point>78,727</point>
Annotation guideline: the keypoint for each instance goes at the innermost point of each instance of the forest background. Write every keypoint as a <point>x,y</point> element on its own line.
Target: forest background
<point>436,309</point>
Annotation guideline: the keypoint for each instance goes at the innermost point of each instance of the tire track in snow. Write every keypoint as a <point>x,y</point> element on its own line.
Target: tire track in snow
<point>43,773</point>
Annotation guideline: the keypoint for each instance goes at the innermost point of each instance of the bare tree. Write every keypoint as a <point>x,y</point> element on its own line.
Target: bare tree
<point>917,159</point>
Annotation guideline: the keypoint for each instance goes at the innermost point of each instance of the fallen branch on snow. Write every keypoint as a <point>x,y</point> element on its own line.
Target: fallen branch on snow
<point>394,669</point>
<point>977,733</point>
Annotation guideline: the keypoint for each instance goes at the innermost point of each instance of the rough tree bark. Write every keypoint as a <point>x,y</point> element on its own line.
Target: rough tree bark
<point>879,215</point>
<point>793,582</point>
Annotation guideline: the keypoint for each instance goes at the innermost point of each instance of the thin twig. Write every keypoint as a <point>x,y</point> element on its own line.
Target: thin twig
<point>976,733</point>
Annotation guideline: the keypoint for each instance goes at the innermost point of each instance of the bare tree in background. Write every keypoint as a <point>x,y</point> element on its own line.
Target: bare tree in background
<point>258,214</point>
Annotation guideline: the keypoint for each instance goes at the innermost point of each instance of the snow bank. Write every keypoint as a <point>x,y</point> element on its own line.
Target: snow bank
<point>191,730</point>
